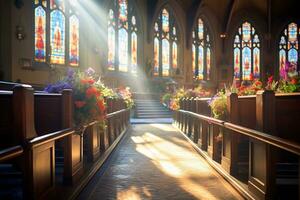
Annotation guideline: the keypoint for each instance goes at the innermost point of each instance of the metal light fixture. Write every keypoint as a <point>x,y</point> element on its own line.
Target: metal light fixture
<point>20,33</point>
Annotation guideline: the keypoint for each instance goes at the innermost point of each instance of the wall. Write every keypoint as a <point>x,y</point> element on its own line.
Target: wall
<point>222,17</point>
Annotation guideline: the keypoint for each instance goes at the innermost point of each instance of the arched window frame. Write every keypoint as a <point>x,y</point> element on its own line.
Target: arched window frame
<point>130,25</point>
<point>201,40</point>
<point>68,11</point>
<point>161,36</point>
<point>246,43</point>
<point>289,43</point>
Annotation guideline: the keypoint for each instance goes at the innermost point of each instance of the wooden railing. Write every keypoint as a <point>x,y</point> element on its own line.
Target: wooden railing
<point>256,142</point>
<point>34,127</point>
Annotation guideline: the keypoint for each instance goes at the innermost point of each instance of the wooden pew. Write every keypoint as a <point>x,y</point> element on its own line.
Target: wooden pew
<point>38,159</point>
<point>54,112</point>
<point>278,115</point>
<point>202,128</point>
<point>241,110</point>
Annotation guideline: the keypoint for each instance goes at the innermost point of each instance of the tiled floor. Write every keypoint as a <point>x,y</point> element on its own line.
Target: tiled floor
<point>154,161</point>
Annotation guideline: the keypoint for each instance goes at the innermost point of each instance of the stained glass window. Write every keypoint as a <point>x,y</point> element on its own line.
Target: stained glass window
<point>201,51</point>
<point>60,39</point>
<point>40,34</point>
<point>174,55</point>
<point>156,57</point>
<point>165,57</point>
<point>74,41</point>
<point>165,44</point>
<point>123,50</point>
<point>194,59</point>
<point>288,47</point>
<point>134,52</point>
<point>122,37</point>
<point>246,53</point>
<point>208,63</point>
<point>57,37</point>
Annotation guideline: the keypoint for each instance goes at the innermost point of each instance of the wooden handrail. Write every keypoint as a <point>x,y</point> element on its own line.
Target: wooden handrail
<point>50,137</point>
<point>203,117</point>
<point>257,135</point>
<point>12,152</point>
<point>110,115</point>
<point>5,92</point>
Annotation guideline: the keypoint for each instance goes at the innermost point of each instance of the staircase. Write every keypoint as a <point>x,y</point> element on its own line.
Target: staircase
<point>150,109</point>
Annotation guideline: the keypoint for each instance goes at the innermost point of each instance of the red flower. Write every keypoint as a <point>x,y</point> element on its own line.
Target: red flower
<point>101,105</point>
<point>251,77</point>
<point>80,104</point>
<point>92,91</point>
<point>87,81</point>
<point>294,81</point>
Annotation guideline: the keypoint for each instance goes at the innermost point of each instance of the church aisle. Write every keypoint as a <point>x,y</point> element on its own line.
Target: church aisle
<point>154,161</point>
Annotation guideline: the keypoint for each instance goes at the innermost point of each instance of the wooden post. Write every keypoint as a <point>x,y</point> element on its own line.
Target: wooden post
<point>190,118</point>
<point>93,142</point>
<point>262,165</point>
<point>230,140</point>
<point>38,163</point>
<point>73,144</point>
<point>23,117</point>
<point>213,144</point>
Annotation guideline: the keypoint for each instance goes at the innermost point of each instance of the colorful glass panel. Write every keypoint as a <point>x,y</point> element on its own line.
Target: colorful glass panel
<point>237,63</point>
<point>256,63</point>
<point>165,21</point>
<point>194,60</point>
<point>54,4</point>
<point>174,55</point>
<point>208,63</point>
<point>123,50</point>
<point>246,31</point>
<point>292,32</point>
<point>57,37</point>
<point>282,60</point>
<point>156,57</point>
<point>111,48</point>
<point>200,63</point>
<point>133,20</point>
<point>200,29</point>
<point>123,10</point>
<point>293,55</point>
<point>165,57</point>
<point>74,41</point>
<point>40,34</point>
<point>246,63</point>
<point>134,52</point>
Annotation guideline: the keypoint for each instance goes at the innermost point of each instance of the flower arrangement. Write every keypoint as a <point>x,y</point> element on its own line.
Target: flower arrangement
<point>250,88</point>
<point>89,104</point>
<point>218,105</point>
<point>289,80</point>
<point>172,99</point>
<point>126,95</point>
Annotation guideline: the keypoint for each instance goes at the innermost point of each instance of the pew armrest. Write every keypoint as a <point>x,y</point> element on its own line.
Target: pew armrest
<point>50,137</point>
<point>10,153</point>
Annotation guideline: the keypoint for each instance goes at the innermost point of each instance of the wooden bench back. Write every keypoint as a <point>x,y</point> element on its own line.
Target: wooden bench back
<point>6,120</point>
<point>287,116</point>
<point>47,113</point>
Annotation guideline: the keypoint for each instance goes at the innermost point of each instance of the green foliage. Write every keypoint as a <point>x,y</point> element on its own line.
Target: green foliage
<point>218,105</point>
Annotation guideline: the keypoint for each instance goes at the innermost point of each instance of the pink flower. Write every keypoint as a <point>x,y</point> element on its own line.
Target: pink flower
<point>270,80</point>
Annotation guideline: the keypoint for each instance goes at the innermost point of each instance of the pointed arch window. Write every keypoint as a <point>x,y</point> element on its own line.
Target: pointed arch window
<point>288,46</point>
<point>246,53</point>
<point>122,37</point>
<point>165,44</point>
<point>201,51</point>
<point>54,43</point>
